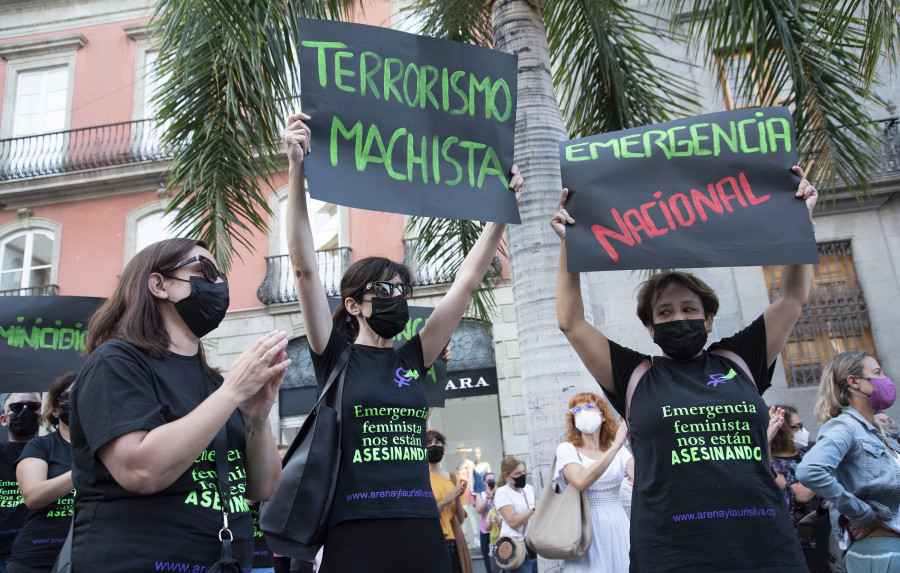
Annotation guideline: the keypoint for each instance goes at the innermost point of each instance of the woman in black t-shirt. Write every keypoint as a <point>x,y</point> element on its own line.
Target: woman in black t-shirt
<point>385,517</point>
<point>704,495</point>
<point>44,472</point>
<point>146,412</point>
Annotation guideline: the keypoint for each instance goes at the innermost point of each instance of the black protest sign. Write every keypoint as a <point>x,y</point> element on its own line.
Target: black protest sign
<point>40,338</point>
<point>408,124</point>
<point>714,190</point>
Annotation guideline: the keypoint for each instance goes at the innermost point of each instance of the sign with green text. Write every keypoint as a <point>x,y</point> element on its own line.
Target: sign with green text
<point>408,124</point>
<point>714,190</point>
<point>40,338</point>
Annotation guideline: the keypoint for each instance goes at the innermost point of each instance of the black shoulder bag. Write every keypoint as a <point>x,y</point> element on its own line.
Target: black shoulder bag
<point>296,519</point>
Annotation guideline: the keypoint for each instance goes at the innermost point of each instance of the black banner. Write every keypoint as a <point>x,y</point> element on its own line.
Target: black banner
<point>40,338</point>
<point>408,124</point>
<point>714,190</point>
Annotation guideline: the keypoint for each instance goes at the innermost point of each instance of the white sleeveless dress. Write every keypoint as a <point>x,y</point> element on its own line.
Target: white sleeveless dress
<point>609,549</point>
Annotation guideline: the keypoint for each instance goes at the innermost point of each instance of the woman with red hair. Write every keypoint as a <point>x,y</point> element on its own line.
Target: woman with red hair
<point>592,459</point>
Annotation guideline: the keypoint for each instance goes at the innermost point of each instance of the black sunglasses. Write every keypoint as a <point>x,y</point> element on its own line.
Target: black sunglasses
<point>207,267</point>
<point>385,289</point>
<point>17,407</point>
<point>63,397</point>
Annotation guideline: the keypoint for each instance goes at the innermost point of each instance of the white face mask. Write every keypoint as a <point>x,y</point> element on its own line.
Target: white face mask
<point>587,421</point>
<point>801,438</point>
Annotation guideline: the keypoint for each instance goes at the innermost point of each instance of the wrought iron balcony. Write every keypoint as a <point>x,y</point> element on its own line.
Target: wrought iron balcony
<point>278,285</point>
<point>81,149</point>
<point>43,290</point>
<point>890,153</point>
<point>430,272</point>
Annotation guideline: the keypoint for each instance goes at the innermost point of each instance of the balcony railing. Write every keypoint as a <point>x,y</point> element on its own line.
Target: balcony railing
<point>278,285</point>
<point>43,290</point>
<point>80,149</point>
<point>432,272</point>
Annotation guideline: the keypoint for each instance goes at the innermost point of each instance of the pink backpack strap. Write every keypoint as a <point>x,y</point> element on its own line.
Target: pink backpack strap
<point>737,360</point>
<point>633,380</point>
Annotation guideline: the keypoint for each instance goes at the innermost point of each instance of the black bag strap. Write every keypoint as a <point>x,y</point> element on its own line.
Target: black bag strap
<point>227,561</point>
<point>338,371</point>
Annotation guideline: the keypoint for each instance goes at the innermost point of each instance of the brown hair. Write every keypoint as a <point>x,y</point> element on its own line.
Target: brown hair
<point>435,435</point>
<point>783,440</point>
<point>834,392</point>
<point>508,466</point>
<point>353,284</point>
<point>654,286</point>
<point>57,387</point>
<point>607,430</point>
<point>130,314</point>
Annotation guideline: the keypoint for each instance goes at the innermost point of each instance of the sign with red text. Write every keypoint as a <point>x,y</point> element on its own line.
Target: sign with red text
<point>408,124</point>
<point>714,190</point>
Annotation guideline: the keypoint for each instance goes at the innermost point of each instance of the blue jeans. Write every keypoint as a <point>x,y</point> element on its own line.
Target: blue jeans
<point>527,566</point>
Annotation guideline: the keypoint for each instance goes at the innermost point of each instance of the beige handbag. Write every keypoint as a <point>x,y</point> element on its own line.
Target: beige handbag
<point>561,526</point>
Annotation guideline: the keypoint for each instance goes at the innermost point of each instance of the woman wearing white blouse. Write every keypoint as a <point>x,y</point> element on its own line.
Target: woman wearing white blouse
<point>592,459</point>
<point>515,504</point>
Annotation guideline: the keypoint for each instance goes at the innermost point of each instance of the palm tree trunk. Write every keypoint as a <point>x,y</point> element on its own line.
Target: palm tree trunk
<point>550,370</point>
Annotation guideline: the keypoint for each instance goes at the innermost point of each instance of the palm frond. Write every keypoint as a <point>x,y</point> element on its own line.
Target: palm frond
<point>789,52</point>
<point>229,72</point>
<point>467,21</point>
<point>607,71</point>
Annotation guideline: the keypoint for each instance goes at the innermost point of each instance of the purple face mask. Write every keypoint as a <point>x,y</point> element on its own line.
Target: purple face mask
<point>883,395</point>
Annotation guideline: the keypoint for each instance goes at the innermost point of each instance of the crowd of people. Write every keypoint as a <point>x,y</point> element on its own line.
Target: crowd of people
<point>154,459</point>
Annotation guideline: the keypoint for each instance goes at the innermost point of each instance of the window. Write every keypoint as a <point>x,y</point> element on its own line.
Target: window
<point>836,318</point>
<point>405,18</point>
<point>38,100</point>
<point>26,261</point>
<point>328,222</point>
<point>147,225</point>
<point>733,72</point>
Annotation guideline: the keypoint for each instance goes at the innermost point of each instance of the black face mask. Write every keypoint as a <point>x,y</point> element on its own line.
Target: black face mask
<point>24,424</point>
<point>64,413</point>
<point>435,454</point>
<point>519,482</point>
<point>491,483</point>
<point>205,307</point>
<point>681,339</point>
<point>389,316</point>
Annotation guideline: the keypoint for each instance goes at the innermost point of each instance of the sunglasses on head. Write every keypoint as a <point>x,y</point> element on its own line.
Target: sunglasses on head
<point>577,409</point>
<point>207,267</point>
<point>17,407</point>
<point>385,289</point>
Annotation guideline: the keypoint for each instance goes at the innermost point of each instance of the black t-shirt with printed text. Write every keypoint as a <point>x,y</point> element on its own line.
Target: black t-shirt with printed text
<point>12,507</point>
<point>120,390</point>
<point>45,529</point>
<point>384,468</point>
<point>704,496</point>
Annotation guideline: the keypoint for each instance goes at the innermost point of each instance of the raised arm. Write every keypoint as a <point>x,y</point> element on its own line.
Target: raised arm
<point>583,478</point>
<point>449,311</point>
<point>589,343</point>
<point>310,291</point>
<point>781,316</point>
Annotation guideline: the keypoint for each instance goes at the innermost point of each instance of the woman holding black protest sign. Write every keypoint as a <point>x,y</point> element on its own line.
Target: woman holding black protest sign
<point>384,506</point>
<point>704,495</point>
<point>162,445</point>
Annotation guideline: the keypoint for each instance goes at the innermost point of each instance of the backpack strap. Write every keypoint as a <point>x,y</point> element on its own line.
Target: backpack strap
<point>633,380</point>
<point>737,360</point>
<point>645,365</point>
